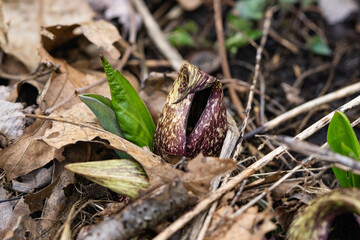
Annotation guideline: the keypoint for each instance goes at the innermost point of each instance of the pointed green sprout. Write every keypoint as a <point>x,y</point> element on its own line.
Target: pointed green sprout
<point>133,117</point>
<point>342,139</point>
<point>126,116</point>
<point>123,176</point>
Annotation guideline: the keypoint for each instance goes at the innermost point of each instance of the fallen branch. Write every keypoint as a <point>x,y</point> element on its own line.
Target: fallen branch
<point>145,213</point>
<point>341,161</point>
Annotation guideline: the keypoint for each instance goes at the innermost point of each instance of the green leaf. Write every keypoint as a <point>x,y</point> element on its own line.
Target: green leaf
<point>251,9</point>
<point>180,37</point>
<point>342,139</point>
<point>238,39</point>
<point>132,115</point>
<point>238,22</point>
<point>318,46</point>
<point>123,176</point>
<point>102,108</point>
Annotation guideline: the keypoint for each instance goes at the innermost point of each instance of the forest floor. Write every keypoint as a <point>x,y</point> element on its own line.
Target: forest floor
<point>285,68</point>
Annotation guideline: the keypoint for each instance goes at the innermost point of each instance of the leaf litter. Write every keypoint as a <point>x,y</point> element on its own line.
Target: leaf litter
<point>50,54</point>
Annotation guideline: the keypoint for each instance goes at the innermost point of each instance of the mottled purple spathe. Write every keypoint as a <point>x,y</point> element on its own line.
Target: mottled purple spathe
<point>209,133</point>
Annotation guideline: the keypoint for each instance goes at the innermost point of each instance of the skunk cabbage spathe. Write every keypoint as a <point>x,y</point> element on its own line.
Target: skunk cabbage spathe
<point>193,119</point>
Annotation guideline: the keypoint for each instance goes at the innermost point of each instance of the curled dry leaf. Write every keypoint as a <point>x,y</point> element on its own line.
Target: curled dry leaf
<point>22,22</point>
<point>102,34</point>
<point>251,225</point>
<point>38,178</point>
<point>27,153</point>
<point>20,31</point>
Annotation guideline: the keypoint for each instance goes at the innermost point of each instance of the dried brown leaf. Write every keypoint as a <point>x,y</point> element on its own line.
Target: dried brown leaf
<point>35,201</point>
<point>19,223</point>
<point>27,153</point>
<point>63,12</point>
<point>38,178</point>
<point>22,36</point>
<point>251,225</point>
<point>56,205</point>
<point>102,34</point>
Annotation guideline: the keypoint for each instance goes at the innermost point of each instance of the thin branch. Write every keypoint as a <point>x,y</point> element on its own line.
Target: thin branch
<point>220,38</point>
<point>267,22</point>
<point>344,92</point>
<point>299,81</point>
<point>157,36</point>
<point>322,154</point>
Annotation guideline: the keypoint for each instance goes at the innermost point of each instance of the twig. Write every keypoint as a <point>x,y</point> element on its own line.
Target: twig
<point>226,70</point>
<point>241,85</point>
<point>267,22</point>
<point>236,101</point>
<point>11,199</point>
<point>263,194</point>
<point>157,36</point>
<point>299,81</point>
<point>315,151</point>
<point>202,205</point>
<point>220,38</point>
<point>346,91</point>
<point>286,43</point>
<point>229,207</point>
<point>76,93</point>
<point>283,179</point>
<point>227,148</point>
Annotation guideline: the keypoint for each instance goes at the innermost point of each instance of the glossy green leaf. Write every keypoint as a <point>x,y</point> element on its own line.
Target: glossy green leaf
<point>102,108</point>
<point>123,176</point>
<point>132,115</point>
<point>342,139</point>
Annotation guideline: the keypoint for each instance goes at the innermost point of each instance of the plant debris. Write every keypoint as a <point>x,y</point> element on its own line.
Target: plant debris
<point>212,126</point>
